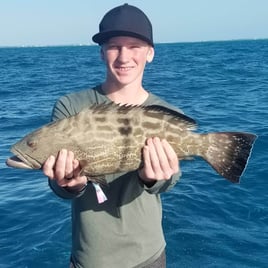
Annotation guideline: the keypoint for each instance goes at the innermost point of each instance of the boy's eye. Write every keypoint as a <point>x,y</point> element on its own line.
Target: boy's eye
<point>112,47</point>
<point>135,46</point>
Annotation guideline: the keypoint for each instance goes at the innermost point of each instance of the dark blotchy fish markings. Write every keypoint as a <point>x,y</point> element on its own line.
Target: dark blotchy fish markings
<point>108,138</point>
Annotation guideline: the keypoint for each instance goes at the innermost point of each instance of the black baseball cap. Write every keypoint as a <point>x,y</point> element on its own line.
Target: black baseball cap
<point>124,20</point>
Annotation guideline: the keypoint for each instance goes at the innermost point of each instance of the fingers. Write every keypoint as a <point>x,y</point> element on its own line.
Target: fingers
<point>147,171</point>
<point>171,156</point>
<point>64,169</point>
<point>157,159</point>
<point>160,160</point>
<point>76,168</point>
<point>69,167</point>
<point>48,167</point>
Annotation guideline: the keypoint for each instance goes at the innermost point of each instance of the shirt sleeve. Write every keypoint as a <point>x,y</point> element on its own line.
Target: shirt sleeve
<point>62,109</point>
<point>163,185</point>
<point>63,192</point>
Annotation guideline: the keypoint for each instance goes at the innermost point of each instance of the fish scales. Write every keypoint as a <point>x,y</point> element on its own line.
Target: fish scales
<point>109,138</point>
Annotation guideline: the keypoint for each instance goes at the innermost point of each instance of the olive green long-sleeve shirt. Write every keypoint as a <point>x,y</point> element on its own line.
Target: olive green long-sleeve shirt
<point>126,230</point>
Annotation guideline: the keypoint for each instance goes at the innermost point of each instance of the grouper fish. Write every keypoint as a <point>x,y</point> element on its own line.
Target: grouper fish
<point>108,138</point>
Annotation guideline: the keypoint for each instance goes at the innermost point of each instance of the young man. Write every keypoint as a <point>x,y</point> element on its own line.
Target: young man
<point>125,230</point>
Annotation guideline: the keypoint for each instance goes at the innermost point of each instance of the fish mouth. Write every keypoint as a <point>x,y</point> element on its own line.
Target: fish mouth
<point>16,162</point>
<point>20,160</point>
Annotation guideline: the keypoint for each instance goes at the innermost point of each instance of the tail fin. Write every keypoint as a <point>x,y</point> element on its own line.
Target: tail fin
<point>228,153</point>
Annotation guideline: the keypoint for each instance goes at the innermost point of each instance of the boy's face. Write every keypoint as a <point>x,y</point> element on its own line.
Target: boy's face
<point>125,59</point>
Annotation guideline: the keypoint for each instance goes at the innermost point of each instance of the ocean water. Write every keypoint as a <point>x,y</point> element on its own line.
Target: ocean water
<point>208,221</point>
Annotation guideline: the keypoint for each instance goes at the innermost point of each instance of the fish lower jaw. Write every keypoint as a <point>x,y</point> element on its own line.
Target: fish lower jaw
<point>15,162</point>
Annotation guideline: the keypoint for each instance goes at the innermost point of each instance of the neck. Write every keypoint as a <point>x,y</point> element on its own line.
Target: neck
<point>128,94</point>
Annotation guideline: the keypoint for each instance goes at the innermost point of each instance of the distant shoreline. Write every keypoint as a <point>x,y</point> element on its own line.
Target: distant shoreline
<point>157,43</point>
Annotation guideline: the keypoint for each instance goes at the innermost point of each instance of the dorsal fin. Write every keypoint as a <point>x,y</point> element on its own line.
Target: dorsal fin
<point>151,110</point>
<point>171,112</point>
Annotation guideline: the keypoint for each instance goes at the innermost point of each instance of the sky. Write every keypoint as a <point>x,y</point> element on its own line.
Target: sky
<point>72,22</point>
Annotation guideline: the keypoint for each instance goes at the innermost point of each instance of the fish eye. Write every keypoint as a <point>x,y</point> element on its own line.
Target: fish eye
<point>31,143</point>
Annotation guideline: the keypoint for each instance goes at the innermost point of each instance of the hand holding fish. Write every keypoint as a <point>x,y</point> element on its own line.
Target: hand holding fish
<point>65,170</point>
<point>160,161</point>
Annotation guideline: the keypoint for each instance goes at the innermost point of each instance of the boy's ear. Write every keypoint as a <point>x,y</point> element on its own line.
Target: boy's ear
<point>150,55</point>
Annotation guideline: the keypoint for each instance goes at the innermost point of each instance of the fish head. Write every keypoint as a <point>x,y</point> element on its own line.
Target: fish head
<point>31,151</point>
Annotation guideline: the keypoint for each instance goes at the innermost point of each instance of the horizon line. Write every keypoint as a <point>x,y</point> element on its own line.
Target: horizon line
<point>156,43</point>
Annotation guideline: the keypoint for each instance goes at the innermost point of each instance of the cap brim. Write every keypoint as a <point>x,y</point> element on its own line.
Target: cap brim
<point>101,38</point>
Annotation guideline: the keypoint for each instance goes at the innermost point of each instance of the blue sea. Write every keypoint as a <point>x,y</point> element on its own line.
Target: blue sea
<point>208,221</point>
